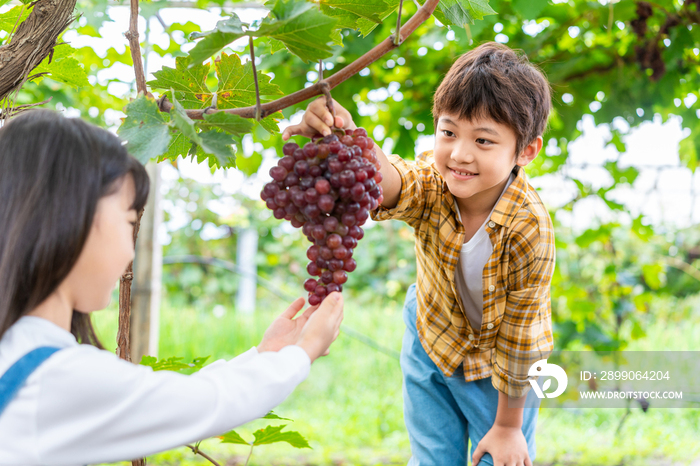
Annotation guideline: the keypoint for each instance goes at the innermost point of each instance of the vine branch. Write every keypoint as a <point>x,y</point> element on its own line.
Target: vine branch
<point>195,449</point>
<point>132,36</point>
<point>353,68</point>
<point>124,329</point>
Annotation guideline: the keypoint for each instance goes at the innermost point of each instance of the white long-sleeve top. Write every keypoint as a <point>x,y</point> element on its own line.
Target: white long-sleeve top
<point>85,405</point>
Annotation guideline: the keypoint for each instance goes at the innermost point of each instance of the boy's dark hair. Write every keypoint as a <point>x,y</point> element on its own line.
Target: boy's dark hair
<point>53,171</point>
<point>493,81</point>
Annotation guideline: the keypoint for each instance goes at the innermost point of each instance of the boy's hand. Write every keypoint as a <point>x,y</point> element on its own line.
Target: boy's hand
<point>317,119</point>
<point>285,329</point>
<point>507,446</point>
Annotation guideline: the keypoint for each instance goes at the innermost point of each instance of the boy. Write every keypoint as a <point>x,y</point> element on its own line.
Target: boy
<point>479,315</point>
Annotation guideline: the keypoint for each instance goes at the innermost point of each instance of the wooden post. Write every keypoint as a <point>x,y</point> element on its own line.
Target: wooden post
<point>145,300</point>
<point>245,256</point>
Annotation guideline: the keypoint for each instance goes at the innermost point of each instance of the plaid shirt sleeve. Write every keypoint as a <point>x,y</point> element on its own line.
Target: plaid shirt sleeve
<point>420,187</point>
<point>525,333</point>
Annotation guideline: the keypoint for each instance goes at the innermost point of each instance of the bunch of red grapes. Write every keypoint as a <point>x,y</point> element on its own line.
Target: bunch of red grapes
<point>327,188</point>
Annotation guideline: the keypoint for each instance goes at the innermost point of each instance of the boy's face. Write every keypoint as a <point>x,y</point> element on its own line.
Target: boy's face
<point>475,156</point>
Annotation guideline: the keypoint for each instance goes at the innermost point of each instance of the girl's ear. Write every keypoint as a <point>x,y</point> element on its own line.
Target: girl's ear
<point>530,152</point>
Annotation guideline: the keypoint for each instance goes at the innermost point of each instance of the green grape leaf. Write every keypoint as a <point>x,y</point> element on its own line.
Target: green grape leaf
<point>373,10</point>
<point>179,118</point>
<point>226,31</point>
<point>302,28</point>
<point>13,17</point>
<point>249,166</point>
<point>274,434</point>
<point>172,364</point>
<point>461,12</point>
<point>221,146</point>
<point>188,83</point>
<point>237,87</point>
<point>63,67</point>
<point>211,142</point>
<point>179,146</point>
<point>275,45</point>
<point>233,437</point>
<point>228,122</point>
<point>145,130</point>
<point>272,415</point>
<point>67,71</point>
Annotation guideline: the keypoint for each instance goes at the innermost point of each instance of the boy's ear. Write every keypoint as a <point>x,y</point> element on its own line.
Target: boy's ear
<point>530,152</point>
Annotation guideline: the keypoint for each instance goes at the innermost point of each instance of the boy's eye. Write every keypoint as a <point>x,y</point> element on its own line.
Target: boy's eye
<point>447,133</point>
<point>483,141</point>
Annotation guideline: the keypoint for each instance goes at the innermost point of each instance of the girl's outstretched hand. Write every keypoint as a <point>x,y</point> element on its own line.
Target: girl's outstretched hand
<point>285,329</point>
<point>322,327</point>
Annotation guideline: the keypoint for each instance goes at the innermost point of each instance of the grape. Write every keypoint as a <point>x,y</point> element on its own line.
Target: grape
<point>310,150</point>
<point>301,168</point>
<point>327,188</point>
<point>339,277</point>
<point>314,300</point>
<point>310,285</point>
<point>327,276</point>
<point>323,186</point>
<point>289,148</point>
<point>334,241</point>
<point>331,287</point>
<point>330,224</point>
<point>326,253</point>
<point>312,268</point>
<point>278,173</point>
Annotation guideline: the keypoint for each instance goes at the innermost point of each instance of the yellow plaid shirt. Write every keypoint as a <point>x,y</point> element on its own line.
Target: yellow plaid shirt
<point>516,328</point>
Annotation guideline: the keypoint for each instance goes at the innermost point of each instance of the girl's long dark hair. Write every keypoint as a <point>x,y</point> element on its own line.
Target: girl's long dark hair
<point>53,171</point>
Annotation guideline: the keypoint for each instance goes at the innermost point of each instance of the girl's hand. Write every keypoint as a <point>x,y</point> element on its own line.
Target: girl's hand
<point>507,446</point>
<point>317,119</point>
<point>285,329</point>
<point>322,327</point>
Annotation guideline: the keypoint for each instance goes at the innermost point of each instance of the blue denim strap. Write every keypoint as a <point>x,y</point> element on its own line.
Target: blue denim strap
<point>12,380</point>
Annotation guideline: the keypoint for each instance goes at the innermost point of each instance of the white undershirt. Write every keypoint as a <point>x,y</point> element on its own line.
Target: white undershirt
<point>84,405</point>
<point>470,268</point>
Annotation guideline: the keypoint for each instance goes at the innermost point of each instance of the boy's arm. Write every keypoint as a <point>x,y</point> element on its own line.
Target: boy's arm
<point>317,119</point>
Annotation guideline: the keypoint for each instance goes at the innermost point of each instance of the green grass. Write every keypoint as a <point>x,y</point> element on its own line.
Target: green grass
<point>350,407</point>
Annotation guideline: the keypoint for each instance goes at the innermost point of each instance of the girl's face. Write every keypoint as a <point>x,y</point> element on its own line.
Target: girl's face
<point>107,252</point>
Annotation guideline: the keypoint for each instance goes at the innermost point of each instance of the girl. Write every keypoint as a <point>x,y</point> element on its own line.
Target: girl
<point>69,197</point>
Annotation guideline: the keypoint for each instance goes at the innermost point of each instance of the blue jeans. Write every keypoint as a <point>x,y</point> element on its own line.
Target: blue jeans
<point>443,413</point>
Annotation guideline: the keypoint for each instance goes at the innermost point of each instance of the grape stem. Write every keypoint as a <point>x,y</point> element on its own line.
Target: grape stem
<point>344,74</point>
<point>397,36</point>
<point>258,108</point>
<point>326,88</point>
